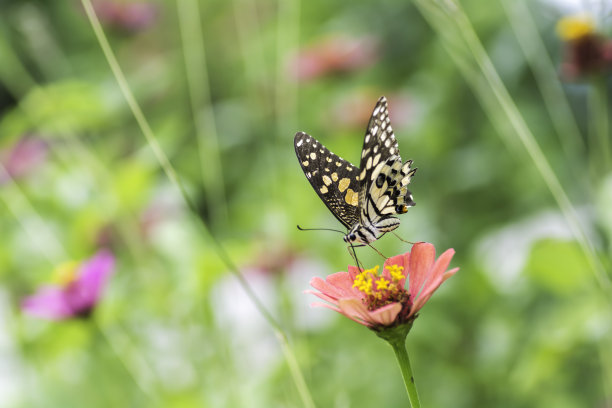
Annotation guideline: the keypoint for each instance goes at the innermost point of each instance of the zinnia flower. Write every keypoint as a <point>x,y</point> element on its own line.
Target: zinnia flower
<point>381,301</point>
<point>79,292</point>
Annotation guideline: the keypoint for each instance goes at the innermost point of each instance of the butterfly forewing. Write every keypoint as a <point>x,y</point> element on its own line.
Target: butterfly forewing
<point>379,142</point>
<point>334,179</point>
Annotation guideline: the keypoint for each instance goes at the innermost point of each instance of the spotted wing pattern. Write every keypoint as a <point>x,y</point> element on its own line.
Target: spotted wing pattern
<point>364,200</point>
<point>334,179</point>
<point>383,176</point>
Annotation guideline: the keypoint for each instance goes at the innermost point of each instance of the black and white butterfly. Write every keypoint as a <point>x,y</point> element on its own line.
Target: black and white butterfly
<point>363,199</point>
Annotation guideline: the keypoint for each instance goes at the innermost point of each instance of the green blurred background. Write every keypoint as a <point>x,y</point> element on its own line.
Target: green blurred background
<point>224,86</point>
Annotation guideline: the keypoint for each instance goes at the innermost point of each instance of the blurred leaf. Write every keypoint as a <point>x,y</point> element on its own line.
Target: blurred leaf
<point>67,106</point>
<point>559,266</point>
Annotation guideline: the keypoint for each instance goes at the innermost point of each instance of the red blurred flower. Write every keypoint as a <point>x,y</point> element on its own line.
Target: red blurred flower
<point>79,292</point>
<point>586,52</point>
<point>381,301</point>
<point>333,55</point>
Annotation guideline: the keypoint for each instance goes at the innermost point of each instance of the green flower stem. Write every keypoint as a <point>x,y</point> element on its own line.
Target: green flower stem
<point>396,337</point>
<point>399,347</point>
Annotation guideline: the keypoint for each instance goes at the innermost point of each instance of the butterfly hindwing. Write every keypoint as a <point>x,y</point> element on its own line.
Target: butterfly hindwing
<point>334,179</point>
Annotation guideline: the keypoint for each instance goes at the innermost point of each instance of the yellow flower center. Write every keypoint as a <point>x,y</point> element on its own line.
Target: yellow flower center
<point>575,27</point>
<point>65,273</point>
<point>379,290</point>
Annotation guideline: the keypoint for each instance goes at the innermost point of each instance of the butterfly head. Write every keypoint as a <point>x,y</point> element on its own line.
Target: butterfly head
<point>350,238</point>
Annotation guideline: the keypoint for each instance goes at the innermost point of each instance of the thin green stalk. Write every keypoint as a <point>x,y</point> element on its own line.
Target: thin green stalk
<point>194,52</point>
<point>458,19</point>
<point>399,347</point>
<point>119,352</point>
<point>547,78</point>
<point>29,219</point>
<point>172,175</point>
<point>600,126</point>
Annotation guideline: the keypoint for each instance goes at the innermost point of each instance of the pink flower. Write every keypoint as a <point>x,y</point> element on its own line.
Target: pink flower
<point>22,158</point>
<point>333,55</point>
<point>78,296</point>
<point>382,300</point>
<point>130,16</point>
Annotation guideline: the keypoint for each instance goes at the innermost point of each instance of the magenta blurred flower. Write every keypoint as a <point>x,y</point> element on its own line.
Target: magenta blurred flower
<point>381,301</point>
<point>333,55</point>
<point>126,15</point>
<point>79,294</point>
<point>22,158</point>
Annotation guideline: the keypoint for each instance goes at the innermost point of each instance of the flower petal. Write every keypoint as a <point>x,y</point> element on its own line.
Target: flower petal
<point>426,293</point>
<point>386,315</point>
<point>421,260</point>
<point>436,273</point>
<point>48,303</point>
<point>336,285</point>
<point>319,304</point>
<point>322,296</point>
<point>356,309</point>
<point>93,276</point>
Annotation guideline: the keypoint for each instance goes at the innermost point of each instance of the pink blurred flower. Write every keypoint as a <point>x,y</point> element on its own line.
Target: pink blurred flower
<point>381,301</point>
<point>126,15</point>
<point>355,109</point>
<point>78,296</point>
<point>22,158</point>
<point>333,55</point>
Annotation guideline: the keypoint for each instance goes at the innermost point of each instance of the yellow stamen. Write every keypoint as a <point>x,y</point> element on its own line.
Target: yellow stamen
<point>65,273</point>
<point>382,284</point>
<point>574,27</point>
<point>363,281</point>
<point>396,272</point>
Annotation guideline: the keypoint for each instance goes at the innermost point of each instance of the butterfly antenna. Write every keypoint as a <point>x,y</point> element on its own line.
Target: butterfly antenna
<point>319,229</point>
<point>403,240</point>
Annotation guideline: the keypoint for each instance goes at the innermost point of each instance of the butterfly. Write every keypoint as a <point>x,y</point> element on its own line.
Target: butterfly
<point>365,199</point>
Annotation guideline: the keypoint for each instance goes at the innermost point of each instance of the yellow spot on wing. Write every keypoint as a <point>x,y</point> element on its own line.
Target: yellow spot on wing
<point>344,183</point>
<point>313,155</point>
<point>305,163</point>
<point>326,180</point>
<point>351,197</point>
<point>323,190</point>
<point>335,176</point>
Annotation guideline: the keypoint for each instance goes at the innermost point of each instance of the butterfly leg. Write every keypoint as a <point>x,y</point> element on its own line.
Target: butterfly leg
<point>403,240</point>
<point>353,254</point>
<point>379,253</point>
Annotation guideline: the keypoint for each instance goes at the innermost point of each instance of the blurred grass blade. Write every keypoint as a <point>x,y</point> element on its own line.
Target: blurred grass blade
<point>19,206</point>
<point>599,128</point>
<point>198,87</point>
<point>172,175</point>
<point>449,15</point>
<point>546,75</point>
<point>119,347</point>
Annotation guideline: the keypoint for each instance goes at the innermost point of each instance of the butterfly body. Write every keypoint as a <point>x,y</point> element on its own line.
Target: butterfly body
<point>365,199</point>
